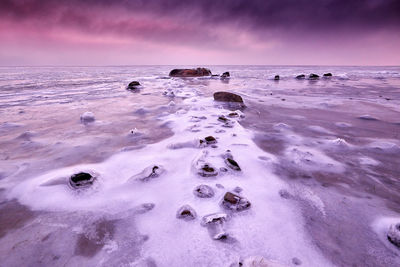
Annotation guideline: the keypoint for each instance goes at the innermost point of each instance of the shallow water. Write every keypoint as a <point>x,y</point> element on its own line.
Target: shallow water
<point>319,164</point>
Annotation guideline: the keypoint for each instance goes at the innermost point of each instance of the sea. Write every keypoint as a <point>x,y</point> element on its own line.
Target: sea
<point>316,163</point>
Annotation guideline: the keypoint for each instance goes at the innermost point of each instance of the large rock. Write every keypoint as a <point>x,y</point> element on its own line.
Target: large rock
<point>235,202</point>
<point>190,72</point>
<point>227,97</point>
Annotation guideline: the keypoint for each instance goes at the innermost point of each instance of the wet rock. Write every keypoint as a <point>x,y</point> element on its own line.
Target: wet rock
<point>233,115</point>
<point>327,74</point>
<point>393,234</point>
<point>227,97</point>
<point>276,78</point>
<point>190,72</point>
<point>148,173</point>
<point>81,180</point>
<point>203,191</point>
<point>215,224</point>
<point>235,202</point>
<point>225,75</point>
<point>313,76</point>
<point>133,85</point>
<point>223,119</point>
<point>207,170</point>
<point>301,76</point>
<point>87,117</point>
<point>210,140</point>
<point>367,118</point>
<point>186,212</point>
<point>230,162</point>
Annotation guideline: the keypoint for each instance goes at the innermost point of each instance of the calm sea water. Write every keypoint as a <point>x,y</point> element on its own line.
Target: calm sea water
<point>319,162</point>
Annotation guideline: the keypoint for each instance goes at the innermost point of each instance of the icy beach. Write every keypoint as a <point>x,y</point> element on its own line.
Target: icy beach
<point>305,173</point>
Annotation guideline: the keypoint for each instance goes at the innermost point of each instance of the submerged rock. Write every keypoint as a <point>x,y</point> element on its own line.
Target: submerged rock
<point>215,224</point>
<point>207,170</point>
<point>203,191</point>
<point>87,117</point>
<point>230,162</point>
<point>81,180</point>
<point>235,202</point>
<point>148,173</point>
<point>227,97</point>
<point>313,76</point>
<point>190,72</point>
<point>276,78</point>
<point>327,74</point>
<point>393,234</point>
<point>367,118</point>
<point>186,212</point>
<point>301,76</point>
<point>225,75</point>
<point>258,261</point>
<point>133,85</point>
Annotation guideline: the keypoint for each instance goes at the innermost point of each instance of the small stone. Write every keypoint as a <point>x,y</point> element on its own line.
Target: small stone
<point>186,212</point>
<point>81,180</point>
<point>87,117</point>
<point>301,76</point>
<point>222,118</point>
<point>276,78</point>
<point>328,74</point>
<point>234,202</point>
<point>296,261</point>
<point>223,169</point>
<point>220,186</point>
<point>237,189</point>
<point>203,191</point>
<point>207,171</point>
<point>210,140</point>
<point>225,75</point>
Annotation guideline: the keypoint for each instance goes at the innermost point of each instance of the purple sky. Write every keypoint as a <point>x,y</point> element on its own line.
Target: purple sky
<point>196,32</point>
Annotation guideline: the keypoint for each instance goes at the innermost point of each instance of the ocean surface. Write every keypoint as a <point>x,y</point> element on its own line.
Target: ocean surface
<point>319,163</point>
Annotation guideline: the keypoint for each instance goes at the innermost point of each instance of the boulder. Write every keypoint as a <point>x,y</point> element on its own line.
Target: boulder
<point>313,76</point>
<point>328,74</point>
<point>227,97</point>
<point>225,75</point>
<point>87,117</point>
<point>203,191</point>
<point>133,85</point>
<point>190,72</point>
<point>186,212</point>
<point>393,234</point>
<point>276,78</point>
<point>81,180</point>
<point>301,76</point>
<point>235,202</point>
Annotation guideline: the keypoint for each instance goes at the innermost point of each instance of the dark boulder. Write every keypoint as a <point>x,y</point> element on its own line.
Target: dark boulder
<point>133,85</point>
<point>203,191</point>
<point>227,97</point>
<point>225,75</point>
<point>276,78</point>
<point>186,212</point>
<point>313,76</point>
<point>301,76</point>
<point>190,72</point>
<point>81,180</point>
<point>235,202</point>
<point>328,74</point>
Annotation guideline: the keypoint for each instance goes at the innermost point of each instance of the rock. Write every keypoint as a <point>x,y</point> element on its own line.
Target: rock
<point>186,212</point>
<point>222,119</point>
<point>225,75</point>
<point>234,202</point>
<point>284,194</point>
<point>301,76</point>
<point>227,97</point>
<point>148,173</point>
<point>87,117</point>
<point>367,118</point>
<point>81,180</point>
<point>133,85</point>
<point>190,72</point>
<point>238,189</point>
<point>296,261</point>
<point>220,186</point>
<point>203,191</point>
<point>207,170</point>
<point>328,74</point>
<point>233,115</point>
<point>210,140</point>
<point>215,222</point>
<point>230,161</point>
<point>393,234</point>
<point>276,78</point>
<point>313,76</point>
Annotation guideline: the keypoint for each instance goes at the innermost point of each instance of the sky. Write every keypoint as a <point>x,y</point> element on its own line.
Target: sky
<point>199,32</point>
